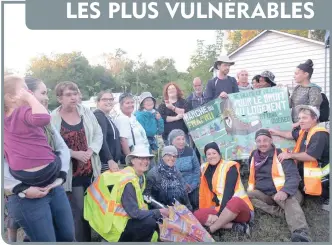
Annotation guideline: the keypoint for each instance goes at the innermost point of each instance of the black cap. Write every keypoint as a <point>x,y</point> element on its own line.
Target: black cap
<point>263,132</point>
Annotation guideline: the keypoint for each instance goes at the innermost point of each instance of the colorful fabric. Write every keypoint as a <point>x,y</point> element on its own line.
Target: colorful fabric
<point>182,226</point>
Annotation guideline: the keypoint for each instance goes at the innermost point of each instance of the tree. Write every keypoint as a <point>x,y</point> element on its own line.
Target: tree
<point>237,38</point>
<point>318,35</point>
<point>70,67</point>
<point>203,58</point>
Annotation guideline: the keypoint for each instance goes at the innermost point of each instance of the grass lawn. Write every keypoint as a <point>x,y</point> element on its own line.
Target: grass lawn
<point>274,229</point>
<point>267,228</point>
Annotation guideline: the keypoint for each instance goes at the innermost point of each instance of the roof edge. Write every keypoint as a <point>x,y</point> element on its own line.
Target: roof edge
<point>279,32</point>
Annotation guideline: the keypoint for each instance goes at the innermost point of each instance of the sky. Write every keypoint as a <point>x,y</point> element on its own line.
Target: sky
<point>22,44</point>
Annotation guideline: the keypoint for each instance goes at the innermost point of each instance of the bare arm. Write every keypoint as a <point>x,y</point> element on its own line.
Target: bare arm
<point>36,106</point>
<point>283,134</point>
<point>125,145</point>
<point>173,119</point>
<point>302,157</point>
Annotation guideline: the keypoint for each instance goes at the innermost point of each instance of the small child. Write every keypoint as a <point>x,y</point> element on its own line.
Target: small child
<point>30,158</point>
<point>150,119</point>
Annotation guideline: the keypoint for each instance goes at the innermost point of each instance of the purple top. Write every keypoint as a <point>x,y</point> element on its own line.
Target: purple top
<point>25,142</point>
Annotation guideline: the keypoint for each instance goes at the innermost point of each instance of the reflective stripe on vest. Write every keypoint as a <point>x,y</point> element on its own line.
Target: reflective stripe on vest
<point>218,185</point>
<point>326,170</point>
<point>277,173</point>
<point>312,173</point>
<point>97,197</point>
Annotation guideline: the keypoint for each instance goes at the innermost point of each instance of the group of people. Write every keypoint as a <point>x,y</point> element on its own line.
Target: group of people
<point>65,174</point>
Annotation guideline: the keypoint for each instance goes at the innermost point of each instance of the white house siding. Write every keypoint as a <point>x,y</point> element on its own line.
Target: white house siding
<point>281,54</point>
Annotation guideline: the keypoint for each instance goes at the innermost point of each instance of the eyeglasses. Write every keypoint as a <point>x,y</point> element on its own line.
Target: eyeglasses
<point>107,99</point>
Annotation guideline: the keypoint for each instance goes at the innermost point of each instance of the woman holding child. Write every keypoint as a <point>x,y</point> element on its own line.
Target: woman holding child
<point>38,162</point>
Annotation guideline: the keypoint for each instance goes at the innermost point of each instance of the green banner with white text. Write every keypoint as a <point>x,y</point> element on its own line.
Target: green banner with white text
<point>233,122</point>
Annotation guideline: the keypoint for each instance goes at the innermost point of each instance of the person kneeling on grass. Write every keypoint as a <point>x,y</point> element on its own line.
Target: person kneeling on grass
<point>311,153</point>
<point>114,204</point>
<point>273,187</point>
<point>221,189</point>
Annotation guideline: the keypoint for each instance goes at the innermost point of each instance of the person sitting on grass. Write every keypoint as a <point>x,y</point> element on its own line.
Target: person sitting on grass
<point>273,187</point>
<point>222,189</point>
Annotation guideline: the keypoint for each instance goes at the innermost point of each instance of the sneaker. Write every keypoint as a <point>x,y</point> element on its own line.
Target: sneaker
<point>326,204</point>
<point>241,228</point>
<point>301,236</point>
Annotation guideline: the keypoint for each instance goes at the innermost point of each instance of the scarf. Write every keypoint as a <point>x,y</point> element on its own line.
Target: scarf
<point>151,111</point>
<point>170,183</point>
<point>260,158</point>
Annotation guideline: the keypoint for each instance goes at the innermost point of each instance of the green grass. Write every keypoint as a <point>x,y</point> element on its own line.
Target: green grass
<point>267,228</point>
<point>274,229</point>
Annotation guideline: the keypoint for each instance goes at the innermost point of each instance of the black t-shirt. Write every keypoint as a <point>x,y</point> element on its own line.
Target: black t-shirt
<point>318,147</point>
<point>179,124</point>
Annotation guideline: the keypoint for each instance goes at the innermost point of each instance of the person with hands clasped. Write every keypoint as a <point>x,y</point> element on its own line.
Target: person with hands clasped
<point>172,110</point>
<point>150,119</point>
<point>110,153</point>
<point>34,171</point>
<point>80,130</point>
<point>273,186</point>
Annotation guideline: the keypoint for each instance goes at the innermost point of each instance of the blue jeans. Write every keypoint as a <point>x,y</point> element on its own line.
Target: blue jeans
<point>47,219</point>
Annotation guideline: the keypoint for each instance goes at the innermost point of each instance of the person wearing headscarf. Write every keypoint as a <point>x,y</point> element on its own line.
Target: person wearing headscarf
<point>165,182</point>
<point>221,188</point>
<point>306,92</point>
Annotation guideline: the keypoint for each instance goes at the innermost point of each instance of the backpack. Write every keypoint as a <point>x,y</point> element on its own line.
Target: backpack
<point>324,109</point>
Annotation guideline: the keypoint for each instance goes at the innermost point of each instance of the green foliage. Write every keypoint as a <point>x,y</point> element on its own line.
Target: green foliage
<point>122,74</point>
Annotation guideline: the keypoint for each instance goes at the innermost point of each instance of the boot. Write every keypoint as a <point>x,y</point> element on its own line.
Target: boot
<point>300,236</point>
<point>242,228</point>
<point>233,124</point>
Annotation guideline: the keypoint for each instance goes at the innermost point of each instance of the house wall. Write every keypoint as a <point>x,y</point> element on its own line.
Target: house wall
<point>281,54</point>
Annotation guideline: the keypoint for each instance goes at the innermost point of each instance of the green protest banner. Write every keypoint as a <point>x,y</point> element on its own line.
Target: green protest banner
<point>233,122</point>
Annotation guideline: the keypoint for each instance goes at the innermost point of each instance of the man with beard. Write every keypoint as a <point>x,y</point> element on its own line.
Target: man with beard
<point>273,186</point>
<point>222,85</point>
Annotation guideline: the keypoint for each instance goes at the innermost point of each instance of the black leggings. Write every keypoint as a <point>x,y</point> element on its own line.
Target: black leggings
<point>40,178</point>
<point>139,230</point>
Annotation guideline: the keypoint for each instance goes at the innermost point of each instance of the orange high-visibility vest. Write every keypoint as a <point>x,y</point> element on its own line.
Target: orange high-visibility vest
<point>277,173</point>
<point>218,185</point>
<point>312,173</point>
